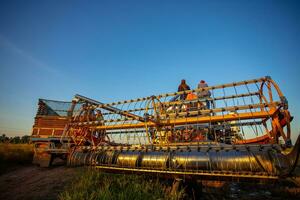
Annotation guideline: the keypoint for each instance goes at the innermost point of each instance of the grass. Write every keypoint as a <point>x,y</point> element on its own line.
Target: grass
<point>12,155</point>
<point>92,184</point>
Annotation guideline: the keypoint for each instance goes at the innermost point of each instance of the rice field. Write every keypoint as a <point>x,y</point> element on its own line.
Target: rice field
<point>12,155</point>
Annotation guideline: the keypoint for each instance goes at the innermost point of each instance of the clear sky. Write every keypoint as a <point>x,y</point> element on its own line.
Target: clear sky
<point>114,50</point>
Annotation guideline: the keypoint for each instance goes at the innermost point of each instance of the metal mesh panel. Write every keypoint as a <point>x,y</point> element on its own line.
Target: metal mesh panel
<point>55,108</point>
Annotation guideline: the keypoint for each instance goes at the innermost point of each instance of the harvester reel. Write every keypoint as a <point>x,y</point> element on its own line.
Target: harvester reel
<point>280,125</point>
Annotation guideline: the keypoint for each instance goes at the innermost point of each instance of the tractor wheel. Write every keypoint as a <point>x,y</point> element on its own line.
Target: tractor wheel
<point>41,157</point>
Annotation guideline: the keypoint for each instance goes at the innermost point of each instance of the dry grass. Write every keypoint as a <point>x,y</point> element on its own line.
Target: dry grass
<point>12,155</point>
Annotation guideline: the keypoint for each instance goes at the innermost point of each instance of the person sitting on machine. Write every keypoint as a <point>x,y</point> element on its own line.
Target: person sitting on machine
<point>182,87</point>
<point>204,93</point>
<point>193,104</point>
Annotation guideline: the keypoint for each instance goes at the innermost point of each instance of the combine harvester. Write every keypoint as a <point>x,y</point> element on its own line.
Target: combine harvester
<point>239,131</point>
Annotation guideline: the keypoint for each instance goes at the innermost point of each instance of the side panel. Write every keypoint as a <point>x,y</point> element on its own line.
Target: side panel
<point>46,136</point>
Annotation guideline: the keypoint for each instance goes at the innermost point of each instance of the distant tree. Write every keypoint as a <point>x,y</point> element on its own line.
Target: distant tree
<point>4,138</point>
<point>15,140</point>
<point>25,139</point>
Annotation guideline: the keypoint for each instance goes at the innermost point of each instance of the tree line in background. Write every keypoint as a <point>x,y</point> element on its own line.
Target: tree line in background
<point>15,140</point>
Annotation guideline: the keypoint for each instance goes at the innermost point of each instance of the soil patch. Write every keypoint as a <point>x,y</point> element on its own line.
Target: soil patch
<point>32,182</point>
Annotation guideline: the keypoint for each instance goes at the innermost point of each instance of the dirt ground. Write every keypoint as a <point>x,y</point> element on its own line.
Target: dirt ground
<point>32,182</point>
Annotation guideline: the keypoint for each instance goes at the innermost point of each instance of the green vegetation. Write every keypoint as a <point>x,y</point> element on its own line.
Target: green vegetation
<point>15,140</point>
<point>92,184</point>
<point>12,155</point>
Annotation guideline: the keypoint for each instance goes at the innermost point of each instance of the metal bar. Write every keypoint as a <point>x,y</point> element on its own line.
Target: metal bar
<point>131,110</point>
<point>199,126</point>
<point>110,108</point>
<point>211,99</point>
<point>182,102</point>
<point>46,128</point>
<point>189,113</point>
<point>122,132</point>
<point>185,173</point>
<point>190,120</point>
<point>229,117</point>
<point>195,90</point>
<point>216,110</point>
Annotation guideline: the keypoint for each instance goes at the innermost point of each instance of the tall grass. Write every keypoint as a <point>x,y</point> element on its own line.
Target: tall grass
<point>12,155</point>
<point>92,184</point>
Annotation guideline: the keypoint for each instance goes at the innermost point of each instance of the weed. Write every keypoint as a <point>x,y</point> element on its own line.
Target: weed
<point>92,185</point>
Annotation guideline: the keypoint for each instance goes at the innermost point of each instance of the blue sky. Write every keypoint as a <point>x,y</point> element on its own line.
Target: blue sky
<point>114,50</point>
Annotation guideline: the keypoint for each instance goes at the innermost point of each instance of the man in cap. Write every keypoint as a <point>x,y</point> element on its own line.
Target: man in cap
<point>204,93</point>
